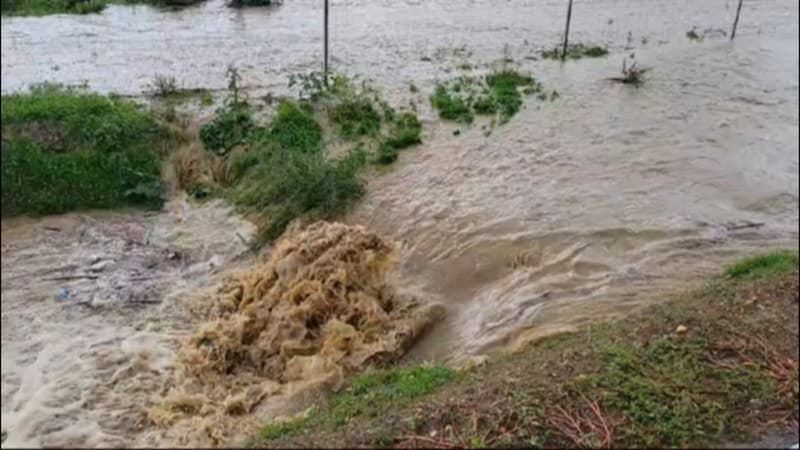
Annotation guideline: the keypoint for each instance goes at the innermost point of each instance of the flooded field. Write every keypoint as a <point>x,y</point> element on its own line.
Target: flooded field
<point>575,210</point>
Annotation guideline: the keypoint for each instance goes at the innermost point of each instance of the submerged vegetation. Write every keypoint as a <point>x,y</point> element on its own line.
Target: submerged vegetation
<point>714,366</point>
<point>44,7</point>
<point>247,3</point>
<point>498,94</point>
<point>576,51</point>
<point>65,149</point>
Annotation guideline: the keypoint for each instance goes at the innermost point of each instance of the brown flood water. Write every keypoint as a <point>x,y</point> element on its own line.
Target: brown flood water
<point>578,209</point>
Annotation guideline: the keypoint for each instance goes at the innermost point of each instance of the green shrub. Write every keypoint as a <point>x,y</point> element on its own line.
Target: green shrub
<point>405,132</point>
<point>229,128</point>
<point>288,184</point>
<point>355,117</point>
<point>63,150</point>
<point>295,127</point>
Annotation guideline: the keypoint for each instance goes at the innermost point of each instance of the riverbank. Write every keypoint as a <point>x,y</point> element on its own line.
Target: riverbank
<point>715,365</point>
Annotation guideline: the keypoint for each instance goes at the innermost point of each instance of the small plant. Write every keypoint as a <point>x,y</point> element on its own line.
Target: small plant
<point>229,128</point>
<point>164,86</point>
<point>233,122</point>
<point>692,35</point>
<point>631,74</point>
<point>576,51</point>
<point>450,106</point>
<point>234,90</point>
<point>498,93</point>
<point>206,99</point>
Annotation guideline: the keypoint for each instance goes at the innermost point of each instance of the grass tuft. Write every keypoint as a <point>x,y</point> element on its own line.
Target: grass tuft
<point>768,265</point>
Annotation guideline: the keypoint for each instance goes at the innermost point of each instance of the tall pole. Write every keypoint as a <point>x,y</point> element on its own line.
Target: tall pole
<point>325,64</point>
<point>736,20</point>
<point>566,31</point>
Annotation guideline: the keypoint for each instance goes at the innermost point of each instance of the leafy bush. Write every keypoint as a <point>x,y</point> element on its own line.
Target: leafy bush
<point>356,117</point>
<point>63,150</point>
<point>229,128</point>
<point>294,127</point>
<point>288,184</point>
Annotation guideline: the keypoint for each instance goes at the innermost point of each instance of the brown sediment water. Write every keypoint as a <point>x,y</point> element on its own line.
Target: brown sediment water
<point>577,209</point>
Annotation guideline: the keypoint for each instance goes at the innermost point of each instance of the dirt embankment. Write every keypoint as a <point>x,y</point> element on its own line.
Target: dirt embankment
<point>712,366</point>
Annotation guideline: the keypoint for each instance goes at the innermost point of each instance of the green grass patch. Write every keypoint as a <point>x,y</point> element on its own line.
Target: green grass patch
<point>668,391</point>
<point>369,394</point>
<point>768,265</point>
<point>289,427</point>
<point>373,392</point>
<point>576,51</point>
<point>64,150</point>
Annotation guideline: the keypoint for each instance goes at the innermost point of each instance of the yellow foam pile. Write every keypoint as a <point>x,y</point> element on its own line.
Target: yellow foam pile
<point>318,309</point>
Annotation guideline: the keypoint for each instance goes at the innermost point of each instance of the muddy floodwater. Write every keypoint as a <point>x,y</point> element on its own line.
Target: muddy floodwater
<point>577,209</point>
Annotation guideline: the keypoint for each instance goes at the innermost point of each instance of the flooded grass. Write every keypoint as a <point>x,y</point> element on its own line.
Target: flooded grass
<point>355,117</point>
<point>498,94</point>
<point>576,51</point>
<point>45,7</point>
<point>713,366</point>
<point>64,150</point>
<point>249,3</point>
<point>406,131</point>
<point>451,106</point>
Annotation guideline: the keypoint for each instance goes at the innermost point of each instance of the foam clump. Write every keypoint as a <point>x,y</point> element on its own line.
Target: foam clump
<point>318,309</point>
